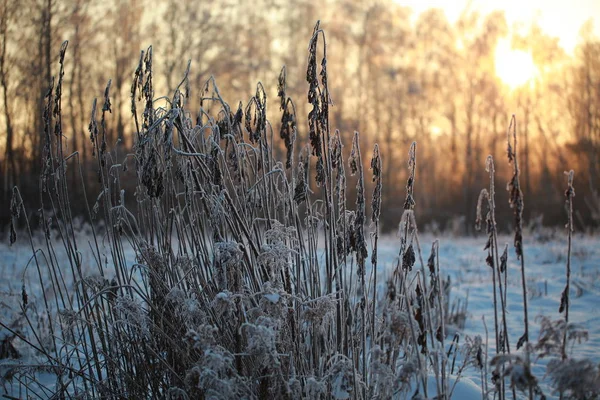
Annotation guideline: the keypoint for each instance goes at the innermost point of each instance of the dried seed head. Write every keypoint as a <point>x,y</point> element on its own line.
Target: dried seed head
<point>301,188</point>
<point>504,259</point>
<point>152,176</point>
<point>318,97</point>
<point>335,149</point>
<point>510,152</point>
<point>376,163</point>
<point>489,164</point>
<point>564,300</point>
<point>15,211</point>
<point>354,156</point>
<point>570,192</point>
<point>490,168</point>
<point>281,86</point>
<point>13,233</point>
<point>93,127</point>
<point>148,91</point>
<point>361,244</point>
<point>514,189</point>
<point>408,258</point>
<point>431,260</point>
<point>24,297</point>
<point>376,167</point>
<point>107,105</point>
<point>136,88</point>
<point>337,162</point>
<point>483,195</point>
<point>409,202</point>
<point>256,114</point>
<point>288,130</point>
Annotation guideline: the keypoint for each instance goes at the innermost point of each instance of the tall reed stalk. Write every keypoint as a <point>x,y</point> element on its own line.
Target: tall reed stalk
<point>564,298</point>
<point>517,204</point>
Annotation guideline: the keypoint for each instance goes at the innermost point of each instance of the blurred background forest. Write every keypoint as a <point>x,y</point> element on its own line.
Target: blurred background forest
<point>396,75</point>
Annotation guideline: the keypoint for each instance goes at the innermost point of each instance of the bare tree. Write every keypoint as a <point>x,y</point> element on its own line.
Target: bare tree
<point>584,107</point>
<point>7,13</point>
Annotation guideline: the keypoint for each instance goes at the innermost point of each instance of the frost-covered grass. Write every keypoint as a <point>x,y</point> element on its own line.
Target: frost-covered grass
<point>463,261</point>
<point>229,273</point>
<point>546,280</point>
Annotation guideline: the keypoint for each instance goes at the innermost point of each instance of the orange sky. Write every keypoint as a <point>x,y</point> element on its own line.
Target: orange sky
<point>559,18</point>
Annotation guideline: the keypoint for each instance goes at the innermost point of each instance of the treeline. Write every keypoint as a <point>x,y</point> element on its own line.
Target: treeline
<point>393,76</point>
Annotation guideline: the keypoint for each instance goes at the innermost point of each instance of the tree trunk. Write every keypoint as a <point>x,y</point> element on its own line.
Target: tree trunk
<point>10,171</point>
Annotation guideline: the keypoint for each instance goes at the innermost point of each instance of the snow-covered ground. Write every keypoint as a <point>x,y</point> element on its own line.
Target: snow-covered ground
<point>463,259</point>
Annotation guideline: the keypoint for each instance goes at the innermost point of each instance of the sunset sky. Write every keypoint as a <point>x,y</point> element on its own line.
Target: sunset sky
<point>559,18</point>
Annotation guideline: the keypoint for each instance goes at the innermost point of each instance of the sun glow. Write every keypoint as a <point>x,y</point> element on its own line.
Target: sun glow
<point>514,67</point>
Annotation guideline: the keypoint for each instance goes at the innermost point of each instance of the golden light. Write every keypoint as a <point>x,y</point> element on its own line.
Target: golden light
<point>514,67</point>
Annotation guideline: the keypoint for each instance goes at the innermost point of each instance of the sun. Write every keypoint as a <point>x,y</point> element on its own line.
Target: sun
<point>514,67</point>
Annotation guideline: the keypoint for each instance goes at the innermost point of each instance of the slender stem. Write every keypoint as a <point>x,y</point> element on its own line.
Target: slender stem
<point>570,193</point>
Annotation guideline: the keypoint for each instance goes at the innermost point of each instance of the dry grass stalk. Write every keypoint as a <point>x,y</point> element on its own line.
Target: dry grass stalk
<point>517,204</point>
<point>564,298</point>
